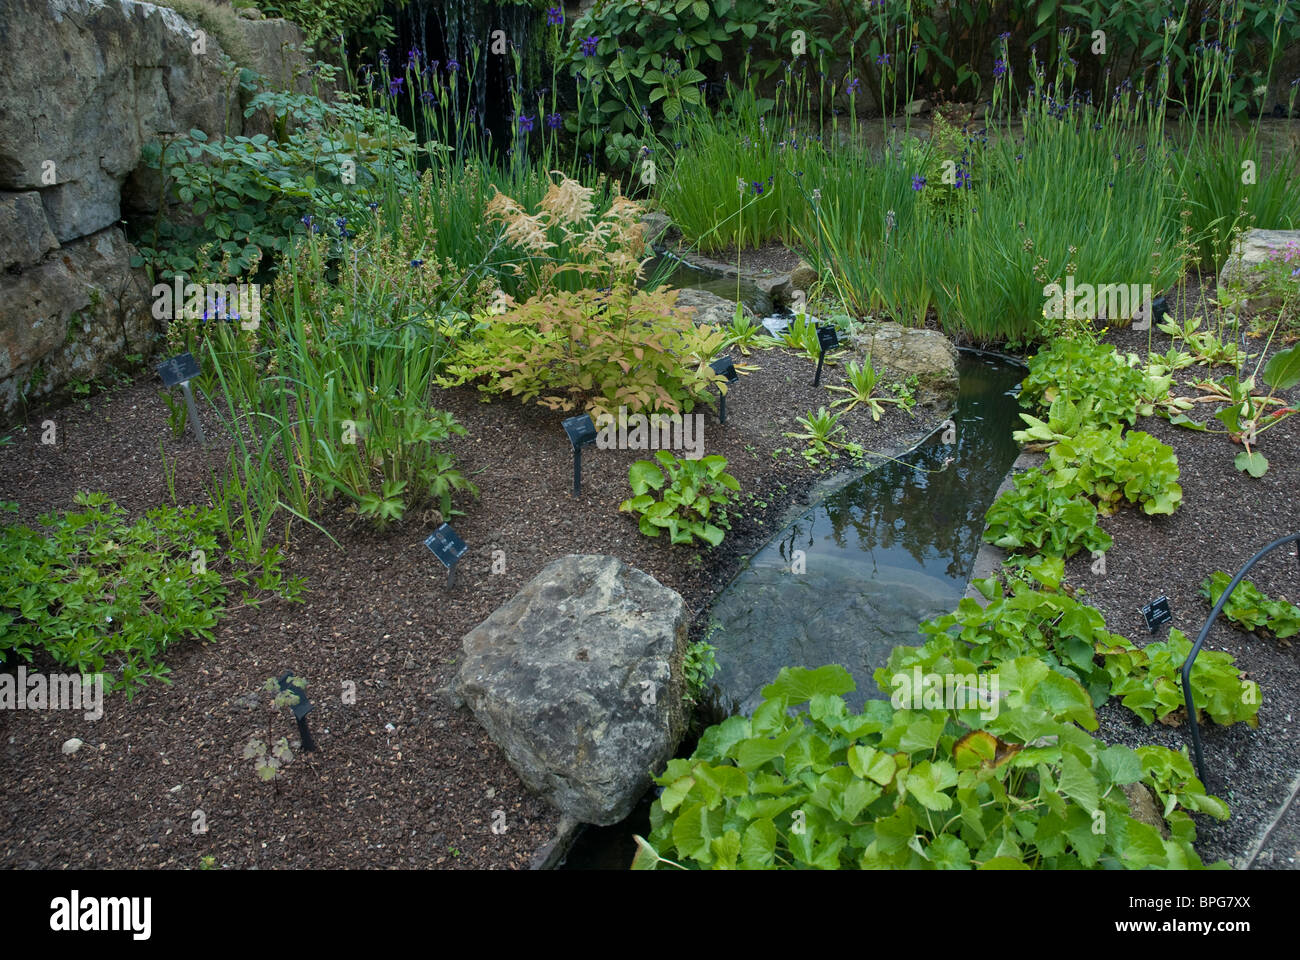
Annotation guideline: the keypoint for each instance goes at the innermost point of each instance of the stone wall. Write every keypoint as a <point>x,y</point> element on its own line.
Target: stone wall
<point>86,84</point>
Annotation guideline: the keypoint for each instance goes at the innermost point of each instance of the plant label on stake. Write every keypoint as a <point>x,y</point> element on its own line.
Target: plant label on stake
<point>724,367</point>
<point>179,371</point>
<point>448,548</point>
<point>1157,614</point>
<point>827,339</point>
<point>300,711</point>
<point>581,431</point>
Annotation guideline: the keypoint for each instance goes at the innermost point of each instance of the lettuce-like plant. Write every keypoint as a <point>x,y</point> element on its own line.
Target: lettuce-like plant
<point>1251,608</point>
<point>1035,514</point>
<point>1111,466</point>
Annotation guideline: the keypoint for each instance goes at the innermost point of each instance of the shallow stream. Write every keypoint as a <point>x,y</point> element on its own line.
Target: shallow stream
<point>854,575</point>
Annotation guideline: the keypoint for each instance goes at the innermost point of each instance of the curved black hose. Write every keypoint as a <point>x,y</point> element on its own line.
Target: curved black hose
<point>1205,630</point>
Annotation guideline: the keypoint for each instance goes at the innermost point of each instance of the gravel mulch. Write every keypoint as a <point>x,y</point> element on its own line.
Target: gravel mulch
<point>401,779</point>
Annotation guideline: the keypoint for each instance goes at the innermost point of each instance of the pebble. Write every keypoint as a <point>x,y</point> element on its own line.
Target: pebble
<point>71,746</point>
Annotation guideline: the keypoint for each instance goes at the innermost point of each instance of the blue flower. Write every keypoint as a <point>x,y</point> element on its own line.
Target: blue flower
<point>553,121</point>
<point>883,59</point>
<point>758,188</point>
<point>554,16</point>
<point>452,66</point>
<point>999,67</point>
<point>589,46</point>
<point>395,86</point>
<point>417,263</point>
<point>852,86</point>
<point>525,123</point>
<point>918,181</point>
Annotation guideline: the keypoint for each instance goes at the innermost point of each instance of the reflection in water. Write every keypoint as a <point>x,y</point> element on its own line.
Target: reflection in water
<point>854,576</point>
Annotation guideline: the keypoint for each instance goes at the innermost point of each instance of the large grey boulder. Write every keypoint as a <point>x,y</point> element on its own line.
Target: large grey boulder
<point>1253,249</point>
<point>900,352</point>
<point>578,679</point>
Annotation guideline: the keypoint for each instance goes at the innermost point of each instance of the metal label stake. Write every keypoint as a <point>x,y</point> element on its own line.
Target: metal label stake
<point>178,372</point>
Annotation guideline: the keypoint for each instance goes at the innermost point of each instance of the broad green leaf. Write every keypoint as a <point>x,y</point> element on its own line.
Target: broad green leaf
<point>758,846</point>
<point>1254,463</point>
<point>926,781</point>
<point>1078,783</point>
<point>799,684</point>
<point>1282,372</point>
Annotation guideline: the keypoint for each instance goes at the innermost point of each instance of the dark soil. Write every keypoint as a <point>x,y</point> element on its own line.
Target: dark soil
<point>401,779</point>
<point>1226,516</point>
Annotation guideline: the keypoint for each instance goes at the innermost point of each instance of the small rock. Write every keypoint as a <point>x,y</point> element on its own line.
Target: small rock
<point>1142,807</point>
<point>1250,253</point>
<point>917,106</point>
<point>709,308</point>
<point>803,276</point>
<point>71,746</point>
<point>655,225</point>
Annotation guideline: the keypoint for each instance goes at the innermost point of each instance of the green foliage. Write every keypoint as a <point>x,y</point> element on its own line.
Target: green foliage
<point>269,757</point>
<point>1224,203</point>
<point>689,500</point>
<point>801,337</point>
<point>1245,413</point>
<point>1148,682</point>
<point>591,350</point>
<point>861,380</point>
<point>1251,608</point>
<point>1110,466</point>
<point>824,788</point>
<point>822,431</point>
<point>1035,514</point>
<point>1037,618</point>
<point>246,196</point>
<point>322,23</point>
<point>1041,619</point>
<point>649,54</point>
<point>1092,376</point>
<point>96,592</point>
<point>744,333</point>
<point>698,667</point>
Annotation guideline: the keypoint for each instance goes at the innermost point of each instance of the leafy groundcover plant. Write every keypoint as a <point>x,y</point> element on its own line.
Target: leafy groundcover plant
<point>1040,618</point>
<point>694,498</point>
<point>1251,608</point>
<point>95,592</point>
<point>824,788</point>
